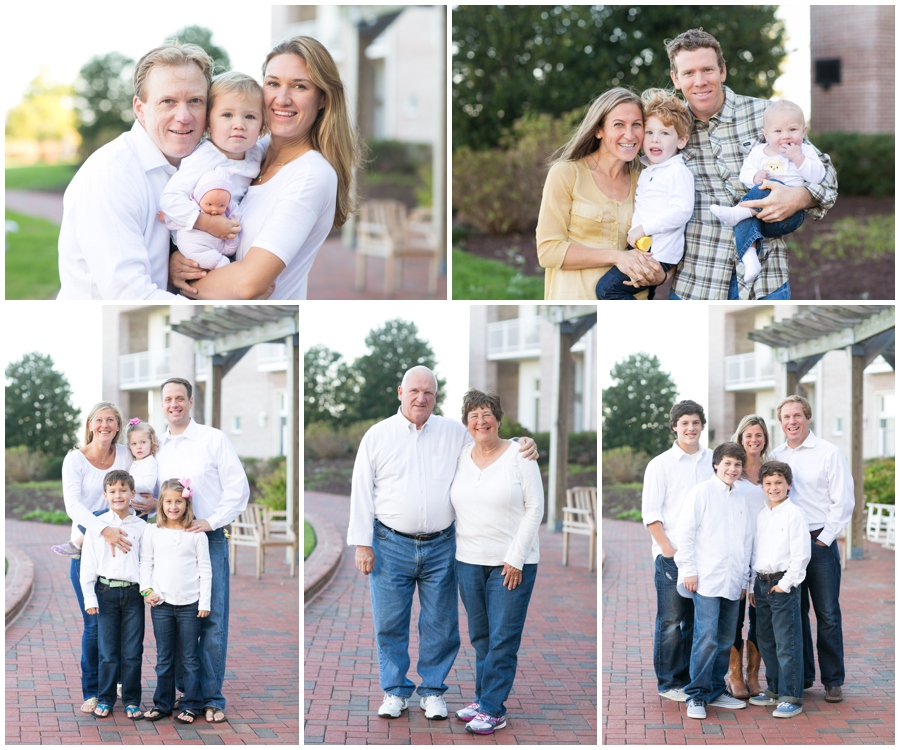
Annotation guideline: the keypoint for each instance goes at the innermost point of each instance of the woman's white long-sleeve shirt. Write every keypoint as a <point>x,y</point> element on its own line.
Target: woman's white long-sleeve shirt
<point>176,566</point>
<point>83,488</point>
<point>498,509</point>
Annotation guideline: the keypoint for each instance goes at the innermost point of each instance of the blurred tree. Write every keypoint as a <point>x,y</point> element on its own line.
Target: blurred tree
<point>104,91</point>
<point>39,410</point>
<point>636,407</point>
<point>393,349</point>
<point>330,387</point>
<point>202,37</point>
<point>509,61</point>
<point>45,112</point>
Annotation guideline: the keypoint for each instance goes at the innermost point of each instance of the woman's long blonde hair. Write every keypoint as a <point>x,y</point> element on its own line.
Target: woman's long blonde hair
<point>584,142</point>
<point>332,134</point>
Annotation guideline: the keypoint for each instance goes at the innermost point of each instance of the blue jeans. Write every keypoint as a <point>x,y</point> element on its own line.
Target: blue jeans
<point>674,628</point>
<point>780,641</point>
<point>120,639</point>
<point>739,628</point>
<point>496,618</point>
<point>401,564</point>
<point>177,631</point>
<point>89,653</point>
<point>611,284</point>
<point>714,620</point>
<point>823,585</point>
<point>748,231</point>
<point>783,292</point>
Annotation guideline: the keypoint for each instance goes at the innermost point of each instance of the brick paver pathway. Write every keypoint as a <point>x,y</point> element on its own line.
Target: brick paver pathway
<point>43,654</point>
<point>554,699</point>
<point>633,712</point>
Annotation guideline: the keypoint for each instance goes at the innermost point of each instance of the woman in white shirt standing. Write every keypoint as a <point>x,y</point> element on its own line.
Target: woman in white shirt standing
<point>499,502</point>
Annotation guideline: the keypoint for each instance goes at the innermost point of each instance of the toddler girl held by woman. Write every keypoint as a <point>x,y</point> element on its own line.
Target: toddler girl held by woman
<point>176,578</point>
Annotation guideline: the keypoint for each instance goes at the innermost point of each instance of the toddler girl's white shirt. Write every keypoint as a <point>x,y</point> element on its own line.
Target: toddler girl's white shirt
<point>97,559</point>
<point>812,170</point>
<point>176,566</point>
<point>145,474</point>
<point>663,205</point>
<point>782,543</point>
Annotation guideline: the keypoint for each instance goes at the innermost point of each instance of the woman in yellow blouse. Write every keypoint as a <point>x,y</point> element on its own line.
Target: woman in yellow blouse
<point>589,199</point>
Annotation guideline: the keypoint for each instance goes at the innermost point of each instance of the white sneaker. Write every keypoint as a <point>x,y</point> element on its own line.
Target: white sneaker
<point>696,709</point>
<point>434,707</point>
<point>728,701</point>
<point>393,706</point>
<point>469,712</point>
<point>674,694</point>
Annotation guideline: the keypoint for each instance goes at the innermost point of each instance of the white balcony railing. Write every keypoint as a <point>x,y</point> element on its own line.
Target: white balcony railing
<point>143,369</point>
<point>749,372</point>
<point>514,339</point>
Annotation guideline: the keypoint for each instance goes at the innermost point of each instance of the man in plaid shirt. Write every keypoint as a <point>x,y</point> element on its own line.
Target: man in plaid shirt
<point>726,127</point>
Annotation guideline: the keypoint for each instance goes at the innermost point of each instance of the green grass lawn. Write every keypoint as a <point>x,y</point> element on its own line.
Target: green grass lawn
<point>52,177</point>
<point>480,278</point>
<point>32,271</point>
<point>309,539</point>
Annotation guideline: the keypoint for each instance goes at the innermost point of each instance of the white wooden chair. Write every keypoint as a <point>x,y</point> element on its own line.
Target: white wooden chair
<point>877,521</point>
<point>580,517</point>
<point>259,528</point>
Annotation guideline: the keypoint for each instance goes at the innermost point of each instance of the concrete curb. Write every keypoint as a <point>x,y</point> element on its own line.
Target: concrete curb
<point>324,560</point>
<point>19,582</point>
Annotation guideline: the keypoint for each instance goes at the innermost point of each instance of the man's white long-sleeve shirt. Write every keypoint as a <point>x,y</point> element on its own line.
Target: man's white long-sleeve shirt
<point>205,456</point>
<point>97,559</point>
<point>781,543</point>
<point>715,540</point>
<point>402,477</point>
<point>111,245</point>
<point>667,480</point>
<point>822,486</point>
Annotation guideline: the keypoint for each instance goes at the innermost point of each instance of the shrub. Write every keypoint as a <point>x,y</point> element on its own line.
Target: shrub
<point>321,440</point>
<point>252,469</point>
<point>582,447</point>
<point>397,157</point>
<point>47,516</point>
<point>864,163</point>
<point>878,481</point>
<point>25,465</point>
<point>353,433</point>
<point>273,489</point>
<point>54,467</point>
<point>624,465</point>
<point>510,429</point>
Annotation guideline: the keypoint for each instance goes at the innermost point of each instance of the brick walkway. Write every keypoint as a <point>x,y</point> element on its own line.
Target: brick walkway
<point>633,712</point>
<point>554,699</point>
<point>43,653</point>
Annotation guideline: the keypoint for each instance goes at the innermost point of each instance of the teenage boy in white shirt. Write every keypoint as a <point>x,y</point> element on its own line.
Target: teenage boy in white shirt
<point>715,542</point>
<point>781,552</point>
<point>667,480</point>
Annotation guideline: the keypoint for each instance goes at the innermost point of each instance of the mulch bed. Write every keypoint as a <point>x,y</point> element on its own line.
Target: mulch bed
<point>832,280</point>
<point>21,500</point>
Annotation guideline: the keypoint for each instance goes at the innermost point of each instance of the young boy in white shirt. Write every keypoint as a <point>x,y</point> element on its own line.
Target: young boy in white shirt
<point>781,552</point>
<point>715,540</point>
<point>111,589</point>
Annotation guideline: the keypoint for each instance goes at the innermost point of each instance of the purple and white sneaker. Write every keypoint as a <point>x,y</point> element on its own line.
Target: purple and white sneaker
<point>484,724</point>
<point>67,550</point>
<point>468,713</point>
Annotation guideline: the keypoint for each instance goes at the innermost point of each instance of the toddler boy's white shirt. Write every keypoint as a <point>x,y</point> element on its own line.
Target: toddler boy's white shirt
<point>781,543</point>
<point>97,559</point>
<point>663,205</point>
<point>715,540</point>
<point>812,170</point>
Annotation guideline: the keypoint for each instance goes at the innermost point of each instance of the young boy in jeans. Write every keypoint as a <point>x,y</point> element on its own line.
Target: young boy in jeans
<point>715,539</point>
<point>781,552</point>
<point>110,585</point>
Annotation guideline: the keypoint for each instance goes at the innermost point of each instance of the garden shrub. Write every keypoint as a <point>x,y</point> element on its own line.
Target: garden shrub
<point>624,465</point>
<point>582,447</point>
<point>864,162</point>
<point>25,465</point>
<point>353,433</point>
<point>321,440</point>
<point>273,489</point>
<point>878,481</point>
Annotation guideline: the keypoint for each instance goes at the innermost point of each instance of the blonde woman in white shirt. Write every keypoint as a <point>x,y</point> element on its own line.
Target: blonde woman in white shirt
<point>499,502</point>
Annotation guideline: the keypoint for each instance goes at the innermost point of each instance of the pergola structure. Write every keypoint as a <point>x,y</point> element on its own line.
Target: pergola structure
<point>801,341</point>
<point>571,322</point>
<point>224,335</point>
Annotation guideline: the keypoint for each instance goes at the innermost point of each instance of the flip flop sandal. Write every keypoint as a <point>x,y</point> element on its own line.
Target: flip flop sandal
<point>186,712</point>
<point>211,715</point>
<point>101,707</point>
<point>134,713</point>
<point>89,705</point>
<point>159,714</point>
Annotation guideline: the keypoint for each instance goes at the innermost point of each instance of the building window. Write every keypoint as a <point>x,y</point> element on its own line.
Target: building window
<point>886,424</point>
<point>838,426</point>
<point>235,425</point>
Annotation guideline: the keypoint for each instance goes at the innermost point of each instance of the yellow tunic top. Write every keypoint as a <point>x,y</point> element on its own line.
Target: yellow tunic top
<point>574,210</point>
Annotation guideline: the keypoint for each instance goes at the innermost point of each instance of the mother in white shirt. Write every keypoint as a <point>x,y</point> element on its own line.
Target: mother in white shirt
<point>498,497</point>
<point>303,191</point>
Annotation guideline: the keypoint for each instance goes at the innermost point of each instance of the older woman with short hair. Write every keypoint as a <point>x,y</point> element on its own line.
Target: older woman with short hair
<point>498,497</point>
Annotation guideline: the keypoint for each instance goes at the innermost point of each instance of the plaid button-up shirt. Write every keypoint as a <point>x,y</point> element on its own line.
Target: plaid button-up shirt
<point>714,154</point>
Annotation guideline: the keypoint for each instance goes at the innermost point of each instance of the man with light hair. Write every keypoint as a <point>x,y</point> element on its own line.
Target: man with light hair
<point>823,489</point>
<point>402,524</point>
<point>111,245</point>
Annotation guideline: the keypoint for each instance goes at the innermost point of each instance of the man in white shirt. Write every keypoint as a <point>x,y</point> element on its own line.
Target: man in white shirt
<point>401,522</point>
<point>667,480</point>
<point>111,245</point>
<point>206,457</point>
<point>715,542</point>
<point>823,490</point>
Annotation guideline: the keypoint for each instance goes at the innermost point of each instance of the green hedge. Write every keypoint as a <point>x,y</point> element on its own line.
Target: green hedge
<point>864,163</point>
<point>582,447</point>
<point>878,481</point>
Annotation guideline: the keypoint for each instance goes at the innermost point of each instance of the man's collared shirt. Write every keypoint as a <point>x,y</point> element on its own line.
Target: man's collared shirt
<point>714,154</point>
<point>715,540</point>
<point>111,245</point>
<point>97,558</point>
<point>667,480</point>
<point>402,477</point>
<point>822,486</point>
<point>205,456</point>
<point>781,543</point>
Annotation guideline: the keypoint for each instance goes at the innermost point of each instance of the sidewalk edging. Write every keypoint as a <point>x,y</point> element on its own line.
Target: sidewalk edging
<point>19,582</point>
<point>324,560</point>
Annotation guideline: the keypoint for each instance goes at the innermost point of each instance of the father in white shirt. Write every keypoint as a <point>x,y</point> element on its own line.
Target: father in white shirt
<point>823,490</point>
<point>111,245</point>
<point>401,522</point>
<point>206,457</point>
